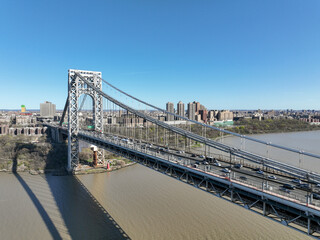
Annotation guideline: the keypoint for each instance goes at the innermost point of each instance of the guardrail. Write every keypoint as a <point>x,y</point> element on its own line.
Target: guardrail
<point>279,166</point>
<point>166,156</point>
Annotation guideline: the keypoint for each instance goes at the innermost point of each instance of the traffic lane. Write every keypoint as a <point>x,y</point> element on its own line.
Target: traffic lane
<point>258,182</point>
<point>249,171</point>
<point>256,179</point>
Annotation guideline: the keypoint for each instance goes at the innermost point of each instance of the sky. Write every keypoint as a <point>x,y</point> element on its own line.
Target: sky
<point>235,54</point>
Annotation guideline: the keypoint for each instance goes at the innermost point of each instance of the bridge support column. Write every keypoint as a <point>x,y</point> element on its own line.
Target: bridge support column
<point>309,226</point>
<point>231,193</point>
<point>264,208</point>
<point>59,137</point>
<point>77,85</point>
<point>95,158</point>
<point>52,134</point>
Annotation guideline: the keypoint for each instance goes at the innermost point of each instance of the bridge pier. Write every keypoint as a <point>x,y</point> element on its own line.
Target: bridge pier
<point>77,85</point>
<point>95,155</point>
<point>56,135</point>
<point>231,195</point>
<point>264,207</point>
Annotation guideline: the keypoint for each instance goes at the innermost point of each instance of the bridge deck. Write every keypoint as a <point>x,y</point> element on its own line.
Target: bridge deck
<point>297,210</point>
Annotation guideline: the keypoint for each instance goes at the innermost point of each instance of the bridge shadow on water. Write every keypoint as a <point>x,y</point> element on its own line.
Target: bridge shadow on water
<point>83,216</point>
<point>44,215</point>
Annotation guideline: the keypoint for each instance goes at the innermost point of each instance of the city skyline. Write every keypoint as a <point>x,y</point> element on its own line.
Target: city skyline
<point>248,55</point>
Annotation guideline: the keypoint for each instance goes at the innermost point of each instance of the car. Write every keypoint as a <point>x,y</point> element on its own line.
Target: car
<point>304,186</point>
<point>288,186</point>
<point>272,177</point>
<point>256,169</point>
<point>283,189</point>
<point>226,170</point>
<point>195,165</point>
<point>210,159</point>
<point>296,180</point>
<point>201,156</point>
<point>193,155</point>
<point>238,166</point>
<point>205,163</point>
<point>318,185</point>
<point>217,164</point>
<point>243,178</point>
<point>198,163</point>
<point>260,172</point>
<point>316,196</point>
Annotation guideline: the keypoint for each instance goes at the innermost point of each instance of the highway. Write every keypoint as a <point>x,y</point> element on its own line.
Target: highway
<point>244,174</point>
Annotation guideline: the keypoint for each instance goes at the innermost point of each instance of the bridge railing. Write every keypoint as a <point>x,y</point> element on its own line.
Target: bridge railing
<point>279,166</point>
<point>167,156</point>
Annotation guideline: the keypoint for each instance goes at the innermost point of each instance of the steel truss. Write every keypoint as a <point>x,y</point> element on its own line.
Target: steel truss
<point>292,215</point>
<point>76,87</point>
<point>270,163</point>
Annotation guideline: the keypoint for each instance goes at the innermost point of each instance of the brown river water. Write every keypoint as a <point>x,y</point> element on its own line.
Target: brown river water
<point>134,202</point>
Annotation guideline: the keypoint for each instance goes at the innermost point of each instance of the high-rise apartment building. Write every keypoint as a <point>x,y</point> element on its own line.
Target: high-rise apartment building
<point>180,109</point>
<point>198,118</point>
<point>170,108</point>
<point>47,109</point>
<point>197,104</point>
<point>225,115</point>
<point>212,114</point>
<point>191,111</point>
<point>204,115</point>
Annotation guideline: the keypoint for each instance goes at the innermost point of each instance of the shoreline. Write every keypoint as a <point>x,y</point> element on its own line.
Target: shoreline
<point>63,172</point>
<point>276,132</point>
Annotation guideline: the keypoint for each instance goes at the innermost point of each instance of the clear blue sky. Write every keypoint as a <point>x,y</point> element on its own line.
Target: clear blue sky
<point>239,54</point>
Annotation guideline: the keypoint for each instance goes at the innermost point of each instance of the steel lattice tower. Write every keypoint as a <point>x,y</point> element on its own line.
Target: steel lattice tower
<point>77,87</point>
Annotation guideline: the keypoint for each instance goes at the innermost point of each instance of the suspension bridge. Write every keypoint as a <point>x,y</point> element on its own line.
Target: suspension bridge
<point>101,114</point>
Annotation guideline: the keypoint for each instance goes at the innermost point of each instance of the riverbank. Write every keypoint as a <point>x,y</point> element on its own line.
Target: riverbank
<point>91,170</point>
<point>31,153</point>
<point>254,126</point>
<point>84,169</point>
<point>39,155</point>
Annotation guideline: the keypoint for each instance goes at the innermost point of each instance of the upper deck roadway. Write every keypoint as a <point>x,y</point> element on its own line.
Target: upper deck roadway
<point>252,177</point>
<point>279,166</point>
<point>185,159</point>
<point>299,206</point>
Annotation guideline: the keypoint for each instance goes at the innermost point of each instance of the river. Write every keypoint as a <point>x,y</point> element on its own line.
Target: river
<point>305,141</point>
<point>136,201</point>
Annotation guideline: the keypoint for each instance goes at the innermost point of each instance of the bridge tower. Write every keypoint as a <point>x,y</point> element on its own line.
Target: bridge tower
<point>77,87</point>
